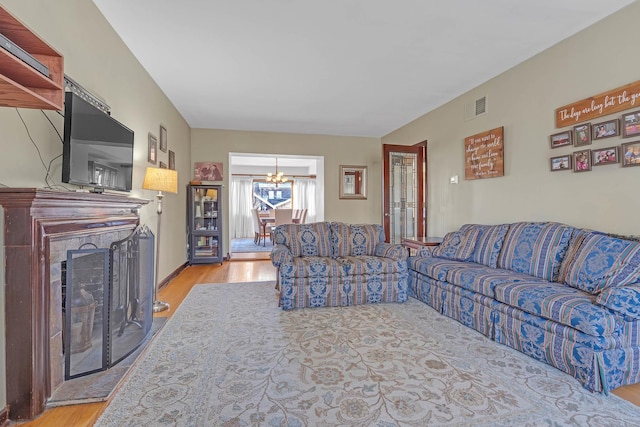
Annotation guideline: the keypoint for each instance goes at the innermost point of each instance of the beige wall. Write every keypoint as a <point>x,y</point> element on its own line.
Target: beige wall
<point>97,59</point>
<point>215,146</point>
<point>523,100</point>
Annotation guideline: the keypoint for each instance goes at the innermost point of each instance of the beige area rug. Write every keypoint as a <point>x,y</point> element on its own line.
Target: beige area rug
<point>230,357</point>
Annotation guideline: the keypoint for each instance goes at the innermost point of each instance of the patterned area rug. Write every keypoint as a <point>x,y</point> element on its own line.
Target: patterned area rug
<point>230,357</point>
<point>247,245</point>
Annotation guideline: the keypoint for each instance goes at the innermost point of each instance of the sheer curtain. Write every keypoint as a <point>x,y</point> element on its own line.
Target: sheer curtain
<point>241,201</point>
<point>304,196</point>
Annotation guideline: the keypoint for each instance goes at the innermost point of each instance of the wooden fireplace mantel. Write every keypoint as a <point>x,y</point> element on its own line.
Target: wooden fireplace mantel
<point>32,218</point>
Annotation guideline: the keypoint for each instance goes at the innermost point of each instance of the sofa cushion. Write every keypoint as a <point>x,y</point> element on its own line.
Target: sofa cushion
<point>488,244</point>
<point>624,300</point>
<point>535,248</point>
<point>600,261</point>
<point>436,268</point>
<point>363,265</point>
<point>312,266</point>
<point>483,279</point>
<point>304,239</point>
<point>562,304</point>
<point>355,239</point>
<point>457,245</point>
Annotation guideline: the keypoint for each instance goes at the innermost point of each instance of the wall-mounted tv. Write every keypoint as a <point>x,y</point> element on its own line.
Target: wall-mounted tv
<point>98,150</point>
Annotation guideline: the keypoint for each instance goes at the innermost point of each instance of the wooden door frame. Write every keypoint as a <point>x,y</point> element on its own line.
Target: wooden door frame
<point>421,150</point>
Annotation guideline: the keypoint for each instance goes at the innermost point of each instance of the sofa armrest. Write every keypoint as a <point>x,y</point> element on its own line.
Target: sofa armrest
<point>388,250</point>
<point>624,300</point>
<point>425,251</point>
<point>280,254</point>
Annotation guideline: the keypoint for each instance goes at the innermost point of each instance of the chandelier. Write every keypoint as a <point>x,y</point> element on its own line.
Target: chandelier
<point>278,177</point>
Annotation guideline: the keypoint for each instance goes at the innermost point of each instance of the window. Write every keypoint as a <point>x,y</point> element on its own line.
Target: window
<point>268,195</point>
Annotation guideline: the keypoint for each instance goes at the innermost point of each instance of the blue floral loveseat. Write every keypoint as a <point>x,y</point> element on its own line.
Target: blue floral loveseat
<point>565,296</point>
<point>336,264</point>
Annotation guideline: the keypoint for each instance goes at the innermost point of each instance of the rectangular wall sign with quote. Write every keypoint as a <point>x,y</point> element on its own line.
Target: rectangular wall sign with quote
<point>609,102</point>
<point>484,155</point>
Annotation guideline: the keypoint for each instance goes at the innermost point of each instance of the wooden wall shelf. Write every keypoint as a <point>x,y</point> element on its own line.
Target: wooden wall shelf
<point>20,84</point>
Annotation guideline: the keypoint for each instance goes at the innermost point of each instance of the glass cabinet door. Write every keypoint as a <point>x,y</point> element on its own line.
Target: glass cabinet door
<point>205,209</point>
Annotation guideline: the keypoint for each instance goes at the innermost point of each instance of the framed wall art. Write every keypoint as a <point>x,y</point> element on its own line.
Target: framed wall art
<point>582,161</point>
<point>631,154</point>
<point>605,129</point>
<point>605,156</point>
<point>207,171</point>
<point>163,139</point>
<point>561,163</point>
<point>561,139</point>
<point>582,134</point>
<point>172,160</point>
<point>631,124</point>
<point>152,155</point>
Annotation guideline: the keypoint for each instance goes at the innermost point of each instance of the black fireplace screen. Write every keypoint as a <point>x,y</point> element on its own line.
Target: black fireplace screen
<point>107,302</point>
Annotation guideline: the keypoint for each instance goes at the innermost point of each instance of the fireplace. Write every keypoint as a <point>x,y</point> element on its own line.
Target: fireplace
<point>43,230</point>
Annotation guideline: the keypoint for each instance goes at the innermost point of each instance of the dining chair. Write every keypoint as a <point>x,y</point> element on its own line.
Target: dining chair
<point>257,225</point>
<point>282,216</point>
<point>303,216</point>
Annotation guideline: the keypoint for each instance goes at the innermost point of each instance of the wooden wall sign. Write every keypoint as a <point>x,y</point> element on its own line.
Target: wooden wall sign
<point>484,155</point>
<point>610,102</point>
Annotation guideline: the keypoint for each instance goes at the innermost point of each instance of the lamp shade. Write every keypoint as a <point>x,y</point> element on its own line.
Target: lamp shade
<point>212,193</point>
<point>160,179</point>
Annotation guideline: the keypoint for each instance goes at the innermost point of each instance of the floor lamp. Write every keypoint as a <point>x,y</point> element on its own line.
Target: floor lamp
<point>160,180</point>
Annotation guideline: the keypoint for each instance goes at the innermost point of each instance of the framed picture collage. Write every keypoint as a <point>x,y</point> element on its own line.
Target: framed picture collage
<point>586,135</point>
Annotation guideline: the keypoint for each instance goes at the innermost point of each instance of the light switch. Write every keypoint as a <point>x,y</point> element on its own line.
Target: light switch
<point>454,179</point>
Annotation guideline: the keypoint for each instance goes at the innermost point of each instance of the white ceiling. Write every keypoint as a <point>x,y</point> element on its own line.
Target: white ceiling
<point>335,67</point>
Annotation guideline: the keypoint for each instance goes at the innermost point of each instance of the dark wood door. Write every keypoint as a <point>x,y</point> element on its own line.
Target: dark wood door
<point>404,191</point>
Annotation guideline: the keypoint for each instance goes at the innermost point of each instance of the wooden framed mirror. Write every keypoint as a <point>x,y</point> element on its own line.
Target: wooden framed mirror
<point>353,182</point>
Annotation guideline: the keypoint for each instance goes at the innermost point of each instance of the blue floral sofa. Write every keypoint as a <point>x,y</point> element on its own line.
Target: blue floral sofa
<point>336,264</point>
<point>565,296</point>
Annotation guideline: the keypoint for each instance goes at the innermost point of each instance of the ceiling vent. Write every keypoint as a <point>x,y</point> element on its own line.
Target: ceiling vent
<point>475,108</point>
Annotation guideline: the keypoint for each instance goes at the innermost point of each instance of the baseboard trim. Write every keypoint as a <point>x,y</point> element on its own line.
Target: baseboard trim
<point>172,276</point>
<point>4,416</point>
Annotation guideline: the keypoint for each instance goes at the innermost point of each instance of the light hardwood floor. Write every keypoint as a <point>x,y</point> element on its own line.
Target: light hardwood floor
<point>239,270</point>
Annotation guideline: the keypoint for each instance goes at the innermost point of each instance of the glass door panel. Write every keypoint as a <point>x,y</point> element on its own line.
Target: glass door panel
<point>404,207</point>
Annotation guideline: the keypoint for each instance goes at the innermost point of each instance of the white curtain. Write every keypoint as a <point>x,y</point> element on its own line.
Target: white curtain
<point>304,197</point>
<point>241,201</point>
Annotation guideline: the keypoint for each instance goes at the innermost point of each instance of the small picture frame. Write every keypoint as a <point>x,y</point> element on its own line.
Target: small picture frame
<point>582,134</point>
<point>582,161</point>
<point>630,154</point>
<point>152,156</point>
<point>631,124</point>
<point>561,139</point>
<point>163,139</point>
<point>163,165</point>
<point>172,160</point>
<point>605,156</point>
<point>561,163</point>
<point>605,129</point>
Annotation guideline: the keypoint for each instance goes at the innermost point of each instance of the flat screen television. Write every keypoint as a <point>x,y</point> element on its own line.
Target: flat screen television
<point>98,150</point>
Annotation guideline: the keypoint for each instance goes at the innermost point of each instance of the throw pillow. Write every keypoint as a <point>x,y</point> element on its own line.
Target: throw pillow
<point>457,245</point>
<point>602,262</point>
